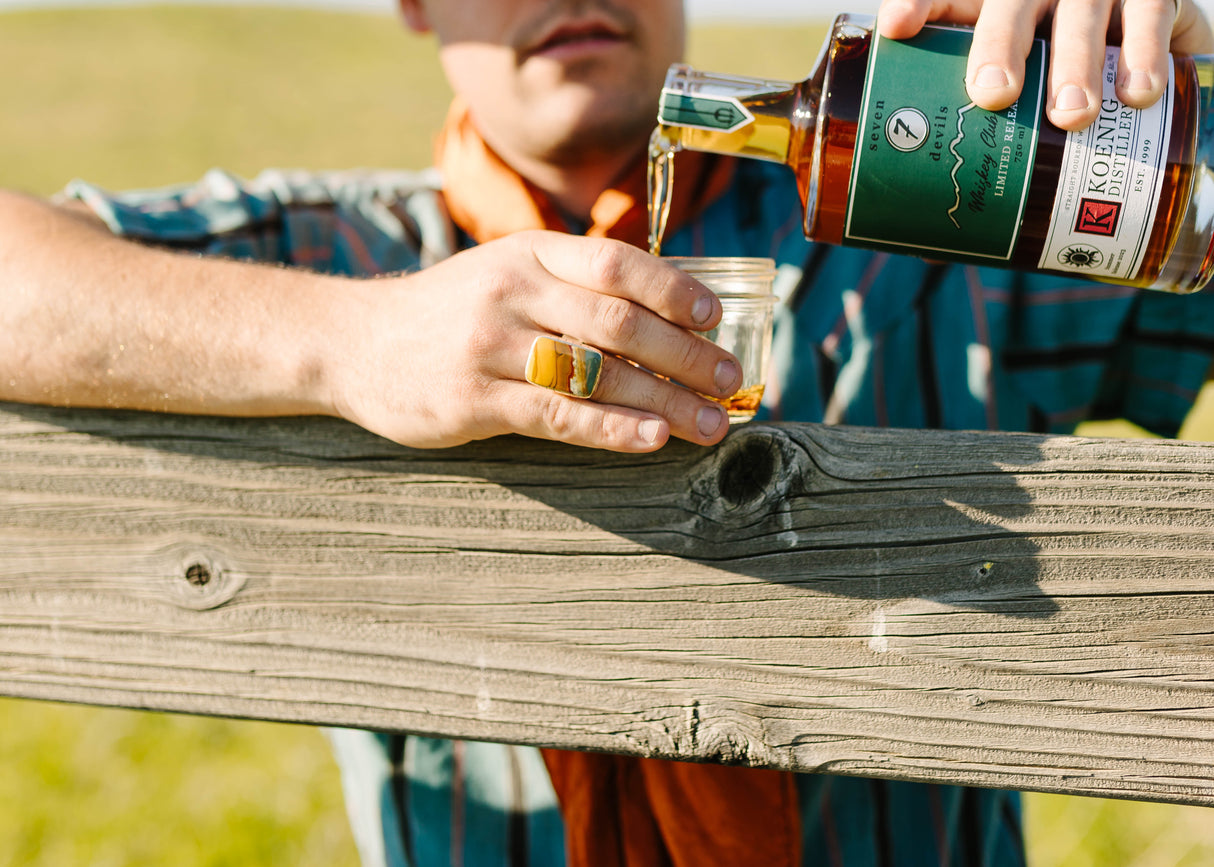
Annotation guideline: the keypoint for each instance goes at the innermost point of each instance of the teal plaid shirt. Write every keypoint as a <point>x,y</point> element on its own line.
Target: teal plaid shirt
<point>861,338</point>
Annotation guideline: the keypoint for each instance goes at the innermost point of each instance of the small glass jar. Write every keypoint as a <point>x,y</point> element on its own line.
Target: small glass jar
<point>744,287</point>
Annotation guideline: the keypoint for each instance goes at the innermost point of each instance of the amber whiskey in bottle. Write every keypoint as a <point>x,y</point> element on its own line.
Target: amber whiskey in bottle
<point>890,153</point>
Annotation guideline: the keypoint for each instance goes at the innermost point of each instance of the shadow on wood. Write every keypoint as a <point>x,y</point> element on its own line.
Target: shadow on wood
<point>995,609</point>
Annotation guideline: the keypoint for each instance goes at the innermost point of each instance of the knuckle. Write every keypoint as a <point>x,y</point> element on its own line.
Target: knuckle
<point>559,415</point>
<point>463,411</point>
<point>482,341</point>
<point>487,411</point>
<point>496,288</point>
<point>615,431</point>
<point>491,318</point>
<point>671,402</point>
<point>470,393</point>
<point>607,263</point>
<point>692,352</point>
<point>619,319</point>
<point>526,242</point>
<point>656,395</point>
<point>611,382</point>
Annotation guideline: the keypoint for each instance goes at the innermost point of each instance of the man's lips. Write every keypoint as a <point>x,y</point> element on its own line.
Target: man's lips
<point>572,37</point>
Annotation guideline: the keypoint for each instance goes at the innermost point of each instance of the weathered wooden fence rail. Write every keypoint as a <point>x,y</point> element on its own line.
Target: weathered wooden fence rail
<point>1002,610</point>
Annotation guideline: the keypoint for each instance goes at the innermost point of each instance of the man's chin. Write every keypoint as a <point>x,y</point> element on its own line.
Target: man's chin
<point>597,120</point>
<point>576,143</point>
<point>595,90</point>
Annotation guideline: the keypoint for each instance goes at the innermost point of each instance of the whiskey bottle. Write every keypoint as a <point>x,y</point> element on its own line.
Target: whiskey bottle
<point>890,153</point>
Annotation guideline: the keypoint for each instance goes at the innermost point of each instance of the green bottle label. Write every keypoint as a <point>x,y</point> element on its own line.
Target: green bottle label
<point>932,171</point>
<point>703,111</point>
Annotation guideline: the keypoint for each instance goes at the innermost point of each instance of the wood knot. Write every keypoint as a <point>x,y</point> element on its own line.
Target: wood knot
<point>199,580</point>
<point>747,471</point>
<point>198,574</point>
<point>740,495</point>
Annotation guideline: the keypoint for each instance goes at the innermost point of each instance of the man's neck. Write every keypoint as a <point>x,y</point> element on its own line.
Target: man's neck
<point>573,189</point>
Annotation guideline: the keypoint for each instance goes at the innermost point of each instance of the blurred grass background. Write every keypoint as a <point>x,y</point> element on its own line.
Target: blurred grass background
<point>143,97</point>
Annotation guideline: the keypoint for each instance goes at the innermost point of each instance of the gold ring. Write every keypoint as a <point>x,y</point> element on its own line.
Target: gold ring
<point>564,365</point>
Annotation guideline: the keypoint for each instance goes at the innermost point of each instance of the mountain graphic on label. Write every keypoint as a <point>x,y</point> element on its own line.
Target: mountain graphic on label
<point>959,162</point>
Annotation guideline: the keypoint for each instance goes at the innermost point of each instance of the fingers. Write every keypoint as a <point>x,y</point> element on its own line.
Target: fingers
<point>1078,36</point>
<point>618,269</point>
<point>1142,73</point>
<point>625,328</point>
<point>534,412</point>
<point>1004,32</point>
<point>632,411</point>
<point>902,19</point>
<point>638,308</point>
<point>1003,37</point>
<point>689,415</point>
<point>1191,32</point>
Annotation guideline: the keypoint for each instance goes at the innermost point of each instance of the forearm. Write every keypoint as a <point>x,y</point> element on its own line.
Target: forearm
<point>432,358</point>
<point>92,320</point>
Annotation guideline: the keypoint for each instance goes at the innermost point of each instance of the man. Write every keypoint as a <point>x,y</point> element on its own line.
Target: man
<point>546,142</point>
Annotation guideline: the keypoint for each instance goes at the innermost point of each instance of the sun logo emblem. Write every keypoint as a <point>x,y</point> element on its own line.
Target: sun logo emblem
<point>1080,256</point>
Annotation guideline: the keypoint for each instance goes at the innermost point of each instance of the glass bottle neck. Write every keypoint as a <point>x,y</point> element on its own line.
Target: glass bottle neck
<point>731,114</point>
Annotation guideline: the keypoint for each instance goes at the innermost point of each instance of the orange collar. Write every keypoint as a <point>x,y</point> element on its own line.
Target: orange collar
<point>489,200</point>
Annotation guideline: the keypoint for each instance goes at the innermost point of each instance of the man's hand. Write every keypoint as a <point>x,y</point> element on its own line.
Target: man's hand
<point>433,358</point>
<point>1079,31</point>
<point>437,357</point>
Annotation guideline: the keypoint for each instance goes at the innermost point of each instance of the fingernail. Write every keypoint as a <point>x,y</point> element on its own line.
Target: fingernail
<point>990,75</point>
<point>1071,98</point>
<point>725,374</point>
<point>701,310</point>
<point>1138,79</point>
<point>709,420</point>
<point>649,429</point>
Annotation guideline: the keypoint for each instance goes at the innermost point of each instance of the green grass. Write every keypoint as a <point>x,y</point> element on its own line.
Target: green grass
<point>130,98</point>
<point>101,787</point>
<point>134,98</point>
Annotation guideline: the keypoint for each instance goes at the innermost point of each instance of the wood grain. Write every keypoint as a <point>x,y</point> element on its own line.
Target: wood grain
<point>997,609</point>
